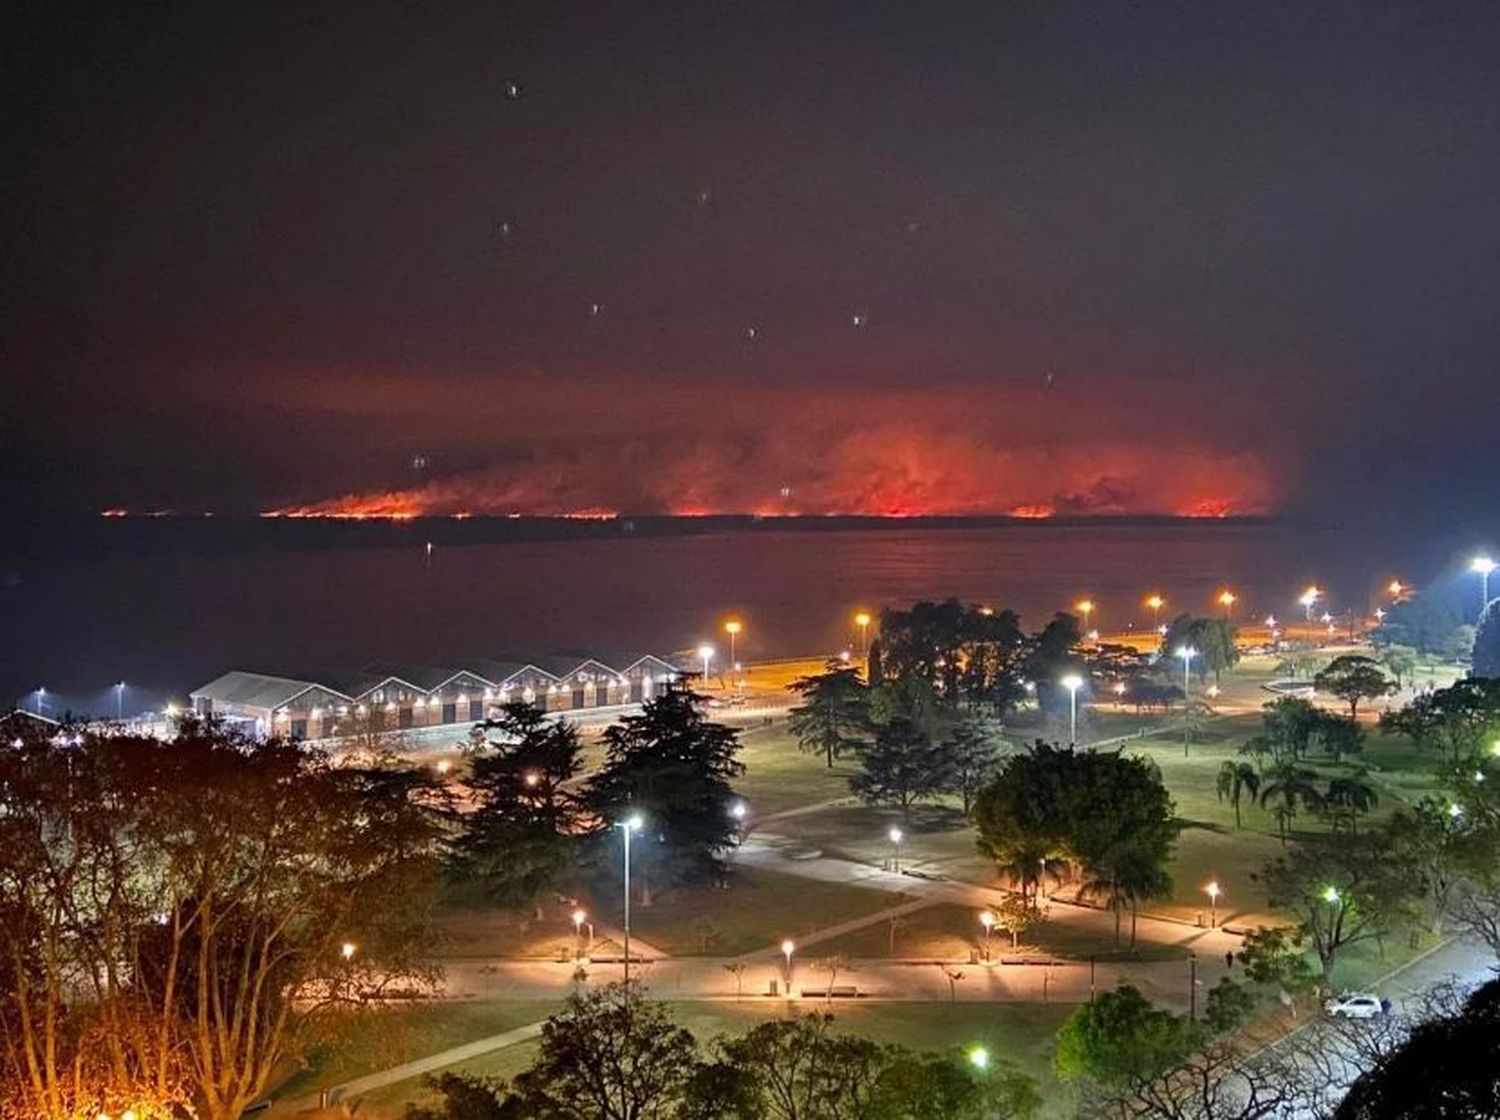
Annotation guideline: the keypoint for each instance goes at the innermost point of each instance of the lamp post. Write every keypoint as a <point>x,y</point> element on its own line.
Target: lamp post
<point>1307,599</point>
<point>1484,566</point>
<point>987,920</point>
<point>862,620</point>
<point>581,919</point>
<point>119,701</point>
<point>1085,608</point>
<point>1192,987</point>
<point>1213,903</point>
<point>895,835</point>
<point>1155,602</point>
<point>1072,682</point>
<point>41,697</point>
<point>787,948</point>
<point>1227,599</point>
<point>738,811</point>
<point>706,652</point>
<point>732,628</point>
<point>1187,653</point>
<point>629,825</point>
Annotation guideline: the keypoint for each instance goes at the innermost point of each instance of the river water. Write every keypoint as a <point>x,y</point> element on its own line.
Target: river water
<point>165,609</point>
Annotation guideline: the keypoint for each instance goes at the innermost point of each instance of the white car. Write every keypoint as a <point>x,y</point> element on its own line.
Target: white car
<point>1355,1005</point>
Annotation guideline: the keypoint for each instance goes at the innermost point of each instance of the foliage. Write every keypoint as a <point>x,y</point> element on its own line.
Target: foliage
<point>463,1097</point>
<point>1290,787</point>
<point>673,766</point>
<point>1343,890</point>
<point>1486,653</point>
<point>1236,779</point>
<point>1107,812</point>
<point>1213,638</point>
<point>209,916</point>
<point>1401,661</point>
<point>834,713</point>
<point>963,653</point>
<point>1353,677</point>
<point>1432,623</point>
<point>1460,721</point>
<point>1277,957</point>
<point>900,767</point>
<point>1453,854</point>
<point>1228,1007</point>
<point>1339,736</point>
<point>975,751</point>
<point>519,838</point>
<point>1118,1038</point>
<point>1347,798</point>
<point>1290,723</point>
<point>610,1055</point>
<point>1447,1068</point>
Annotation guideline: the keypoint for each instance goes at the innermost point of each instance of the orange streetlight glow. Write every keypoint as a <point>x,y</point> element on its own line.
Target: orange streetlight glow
<point>862,620</point>
<point>733,628</point>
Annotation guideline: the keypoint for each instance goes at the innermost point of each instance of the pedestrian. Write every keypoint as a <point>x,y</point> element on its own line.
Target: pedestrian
<point>1385,1006</point>
<point>1229,959</point>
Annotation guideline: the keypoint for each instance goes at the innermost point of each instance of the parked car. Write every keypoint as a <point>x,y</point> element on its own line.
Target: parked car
<point>1355,1005</point>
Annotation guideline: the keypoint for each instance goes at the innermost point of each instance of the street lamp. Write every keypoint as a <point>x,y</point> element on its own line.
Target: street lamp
<point>979,1057</point>
<point>346,950</point>
<point>628,825</point>
<point>1308,598</point>
<point>41,698</point>
<point>787,947</point>
<point>1155,602</point>
<point>732,628</point>
<point>862,620</point>
<point>1187,653</point>
<point>119,701</point>
<point>738,811</point>
<point>987,920</point>
<point>1484,566</point>
<point>1085,608</point>
<point>1397,589</point>
<point>1331,895</point>
<point>1072,682</point>
<point>706,652</point>
<point>1227,600</point>
<point>895,835</point>
<point>580,919</point>
<point>1213,903</point>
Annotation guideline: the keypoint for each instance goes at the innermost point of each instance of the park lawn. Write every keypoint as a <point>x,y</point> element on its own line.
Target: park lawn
<point>942,931</point>
<point>757,912</point>
<point>780,776</point>
<point>1016,1033</point>
<point>389,1036</point>
<point>492,931</point>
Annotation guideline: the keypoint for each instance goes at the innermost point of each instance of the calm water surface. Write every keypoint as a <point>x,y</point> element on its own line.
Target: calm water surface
<point>167,619</point>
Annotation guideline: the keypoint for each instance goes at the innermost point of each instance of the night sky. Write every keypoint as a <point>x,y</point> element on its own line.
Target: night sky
<point>865,257</point>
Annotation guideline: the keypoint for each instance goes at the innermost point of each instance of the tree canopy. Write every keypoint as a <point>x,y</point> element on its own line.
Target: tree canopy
<point>1486,655</point>
<point>834,715</point>
<point>1353,677</point>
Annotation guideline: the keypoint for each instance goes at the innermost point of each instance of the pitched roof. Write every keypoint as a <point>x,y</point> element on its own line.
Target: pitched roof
<point>254,690</point>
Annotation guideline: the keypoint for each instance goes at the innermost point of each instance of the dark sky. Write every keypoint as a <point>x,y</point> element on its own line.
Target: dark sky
<point>868,257</point>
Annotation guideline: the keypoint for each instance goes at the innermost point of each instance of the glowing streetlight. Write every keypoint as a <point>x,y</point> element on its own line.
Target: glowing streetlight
<point>732,628</point>
<point>862,620</point>
<point>41,698</point>
<point>119,701</point>
<point>1483,565</point>
<point>979,1057</point>
<point>1187,653</point>
<point>1331,895</point>
<point>1396,589</point>
<point>739,811</point>
<point>1227,600</point>
<point>706,652</point>
<point>895,835</point>
<point>1072,682</point>
<point>787,948</point>
<point>1213,903</point>
<point>1155,602</point>
<point>1308,598</point>
<point>987,920</point>
<point>630,824</point>
<point>1086,608</point>
<point>347,950</point>
<point>581,919</point>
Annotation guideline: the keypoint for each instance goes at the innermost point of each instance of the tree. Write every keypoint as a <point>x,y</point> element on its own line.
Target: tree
<point>1447,1069</point>
<point>521,835</point>
<point>1118,1039</point>
<point>1459,720</point>
<point>1290,723</point>
<point>834,713</point>
<point>1402,663</point>
<point>674,767</point>
<point>1277,957</point>
<point>1453,855</point>
<point>974,750</point>
<point>1343,890</point>
<point>902,766</point>
<point>610,1055</point>
<point>1339,736</point>
<point>1429,623</point>
<point>1348,798</point>
<point>1236,779</point>
<point>1290,787</point>
<point>208,916</point>
<point>462,1097</point>
<point>1486,654</point>
<point>1352,678</point>
<point>1228,1007</point>
<point>1213,638</point>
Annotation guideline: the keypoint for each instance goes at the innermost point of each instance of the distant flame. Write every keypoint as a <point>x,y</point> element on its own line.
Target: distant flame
<point>1032,513</point>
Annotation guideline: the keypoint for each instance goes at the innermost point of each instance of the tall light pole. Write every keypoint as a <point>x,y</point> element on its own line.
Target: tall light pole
<point>1307,599</point>
<point>1072,682</point>
<point>120,702</point>
<point>1227,600</point>
<point>732,628</point>
<point>41,696</point>
<point>628,825</point>
<point>862,620</point>
<point>706,652</point>
<point>787,948</point>
<point>581,919</point>
<point>1155,602</point>
<point>1484,566</point>
<point>1187,653</point>
<point>895,835</point>
<point>1213,903</point>
<point>987,920</point>
<point>1086,608</point>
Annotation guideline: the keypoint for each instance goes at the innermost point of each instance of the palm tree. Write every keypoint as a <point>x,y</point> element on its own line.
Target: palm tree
<point>1141,880</point>
<point>1236,778</point>
<point>1027,865</point>
<point>1348,797</point>
<point>1291,786</point>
